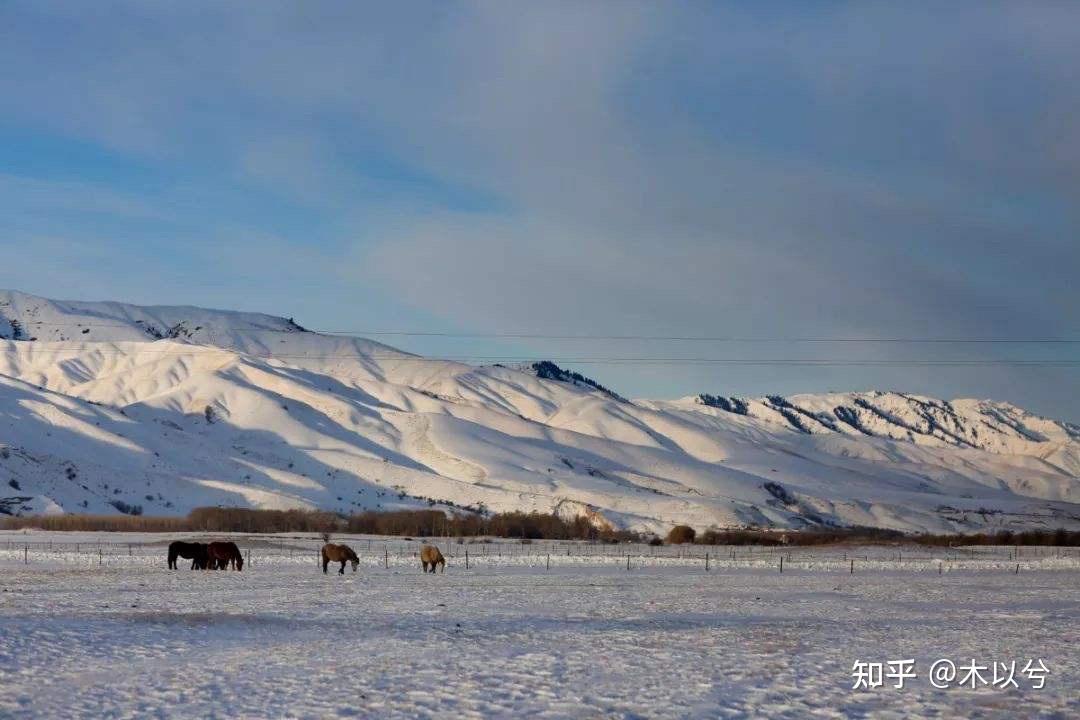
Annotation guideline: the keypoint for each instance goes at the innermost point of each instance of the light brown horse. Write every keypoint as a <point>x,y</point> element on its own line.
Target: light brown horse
<point>338,553</point>
<point>222,554</point>
<point>430,555</point>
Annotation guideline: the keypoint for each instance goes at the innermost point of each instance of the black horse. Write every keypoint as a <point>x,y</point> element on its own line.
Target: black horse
<point>197,552</point>
<point>223,554</point>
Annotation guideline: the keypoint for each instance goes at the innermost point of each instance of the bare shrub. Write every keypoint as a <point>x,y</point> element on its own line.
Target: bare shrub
<point>681,534</point>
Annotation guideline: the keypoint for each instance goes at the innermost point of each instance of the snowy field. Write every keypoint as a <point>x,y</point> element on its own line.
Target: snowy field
<point>93,625</point>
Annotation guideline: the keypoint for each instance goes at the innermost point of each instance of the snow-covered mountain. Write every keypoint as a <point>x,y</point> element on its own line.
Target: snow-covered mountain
<point>995,427</point>
<point>107,407</point>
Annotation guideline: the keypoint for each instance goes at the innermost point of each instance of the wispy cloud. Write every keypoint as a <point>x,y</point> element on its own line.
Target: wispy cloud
<point>782,169</point>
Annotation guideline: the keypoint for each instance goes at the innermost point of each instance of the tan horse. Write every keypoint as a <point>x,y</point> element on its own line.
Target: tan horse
<point>339,553</point>
<point>430,555</point>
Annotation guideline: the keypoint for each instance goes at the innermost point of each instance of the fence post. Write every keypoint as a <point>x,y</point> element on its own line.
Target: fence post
<point>707,561</point>
<point>781,563</point>
<point>627,561</point>
<point>99,555</point>
<point>466,558</point>
<point>386,558</point>
<point>249,556</point>
<point>26,555</point>
<point>852,566</point>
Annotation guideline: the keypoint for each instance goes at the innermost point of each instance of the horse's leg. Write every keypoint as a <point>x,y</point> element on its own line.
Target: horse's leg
<point>423,564</point>
<point>342,570</point>
<point>325,563</point>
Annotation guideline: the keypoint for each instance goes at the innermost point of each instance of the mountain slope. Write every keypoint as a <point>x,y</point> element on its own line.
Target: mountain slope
<point>983,424</point>
<point>240,408</point>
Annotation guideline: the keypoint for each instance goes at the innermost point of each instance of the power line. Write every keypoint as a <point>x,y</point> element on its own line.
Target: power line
<point>662,338</point>
<point>611,360</point>
<point>698,338</point>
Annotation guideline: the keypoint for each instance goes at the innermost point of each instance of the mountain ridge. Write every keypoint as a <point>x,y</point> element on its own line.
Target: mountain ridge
<point>244,408</point>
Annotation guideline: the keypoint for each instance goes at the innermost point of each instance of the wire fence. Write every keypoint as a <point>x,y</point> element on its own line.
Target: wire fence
<point>261,551</point>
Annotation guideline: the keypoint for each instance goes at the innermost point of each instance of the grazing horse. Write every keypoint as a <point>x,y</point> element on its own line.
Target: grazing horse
<point>338,553</point>
<point>223,553</point>
<point>195,551</point>
<point>430,555</point>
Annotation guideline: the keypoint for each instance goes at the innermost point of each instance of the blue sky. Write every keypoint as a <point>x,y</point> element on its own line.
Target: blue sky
<point>777,170</point>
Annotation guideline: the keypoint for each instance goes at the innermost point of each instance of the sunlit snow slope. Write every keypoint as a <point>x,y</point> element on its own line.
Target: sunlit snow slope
<point>107,407</point>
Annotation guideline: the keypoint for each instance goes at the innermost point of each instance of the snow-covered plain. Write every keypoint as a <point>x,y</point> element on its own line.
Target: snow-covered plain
<point>117,635</point>
<point>108,407</point>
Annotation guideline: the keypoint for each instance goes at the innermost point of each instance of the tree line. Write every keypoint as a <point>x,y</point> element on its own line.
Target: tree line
<point>421,523</point>
<point>681,534</point>
<point>515,525</point>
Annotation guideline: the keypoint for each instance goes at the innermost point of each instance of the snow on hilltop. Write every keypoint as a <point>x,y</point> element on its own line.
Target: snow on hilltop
<point>27,317</point>
<point>109,407</point>
<point>983,424</point>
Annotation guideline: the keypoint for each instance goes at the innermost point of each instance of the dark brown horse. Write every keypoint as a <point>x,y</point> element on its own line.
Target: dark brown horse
<point>195,551</point>
<point>222,554</point>
<point>430,555</point>
<point>338,553</point>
